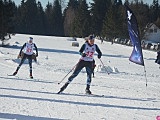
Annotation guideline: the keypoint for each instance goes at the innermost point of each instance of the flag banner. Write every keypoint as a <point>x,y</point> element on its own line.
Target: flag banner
<point>136,56</point>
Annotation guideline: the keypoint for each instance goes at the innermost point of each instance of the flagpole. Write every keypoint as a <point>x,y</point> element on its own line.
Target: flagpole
<point>145,75</point>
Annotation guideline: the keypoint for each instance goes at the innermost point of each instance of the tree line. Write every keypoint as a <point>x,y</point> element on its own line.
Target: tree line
<point>105,18</point>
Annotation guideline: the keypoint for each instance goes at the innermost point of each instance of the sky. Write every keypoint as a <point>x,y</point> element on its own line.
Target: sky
<point>44,2</point>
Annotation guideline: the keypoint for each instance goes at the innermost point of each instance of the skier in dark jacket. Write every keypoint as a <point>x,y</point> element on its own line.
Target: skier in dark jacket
<point>28,52</point>
<point>87,52</point>
<point>93,63</point>
<point>158,58</point>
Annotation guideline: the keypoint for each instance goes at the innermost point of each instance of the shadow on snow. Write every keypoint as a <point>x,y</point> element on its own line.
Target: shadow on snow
<point>28,79</point>
<point>79,103</point>
<point>65,51</point>
<point>24,117</point>
<point>81,95</point>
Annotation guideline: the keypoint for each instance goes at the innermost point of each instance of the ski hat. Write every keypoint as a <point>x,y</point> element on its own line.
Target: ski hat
<point>91,37</point>
<point>30,40</point>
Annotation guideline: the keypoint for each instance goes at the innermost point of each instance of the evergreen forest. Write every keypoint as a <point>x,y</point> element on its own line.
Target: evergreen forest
<point>76,18</point>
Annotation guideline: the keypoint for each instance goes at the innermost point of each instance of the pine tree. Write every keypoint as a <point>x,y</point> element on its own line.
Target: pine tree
<point>1,20</point>
<point>98,11</point>
<point>20,18</point>
<point>40,23</point>
<point>6,17</point>
<point>27,17</point>
<point>48,16</point>
<point>154,11</point>
<point>57,25</point>
<point>113,22</point>
<point>81,24</point>
<point>31,16</point>
<point>69,16</point>
<point>141,12</point>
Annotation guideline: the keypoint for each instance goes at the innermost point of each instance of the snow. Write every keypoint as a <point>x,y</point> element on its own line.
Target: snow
<point>126,96</point>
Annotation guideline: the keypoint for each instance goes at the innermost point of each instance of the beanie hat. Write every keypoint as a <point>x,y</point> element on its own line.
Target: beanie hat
<point>30,40</point>
<point>91,37</point>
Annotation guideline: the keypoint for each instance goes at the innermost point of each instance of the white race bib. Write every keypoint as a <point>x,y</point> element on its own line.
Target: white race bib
<point>29,49</point>
<point>89,51</point>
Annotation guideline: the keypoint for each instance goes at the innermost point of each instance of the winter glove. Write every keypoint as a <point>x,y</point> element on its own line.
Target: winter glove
<point>99,56</point>
<point>19,55</point>
<point>83,54</point>
<point>156,60</point>
<point>36,54</point>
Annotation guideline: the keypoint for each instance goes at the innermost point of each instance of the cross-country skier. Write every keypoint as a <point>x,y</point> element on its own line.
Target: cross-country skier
<point>87,52</point>
<point>27,48</point>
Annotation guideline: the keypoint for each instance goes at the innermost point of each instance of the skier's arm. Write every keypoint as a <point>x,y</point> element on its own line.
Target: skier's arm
<point>82,49</point>
<point>22,48</point>
<point>36,49</point>
<point>99,52</point>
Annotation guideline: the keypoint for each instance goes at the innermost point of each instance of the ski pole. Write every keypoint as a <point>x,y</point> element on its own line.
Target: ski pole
<point>69,72</point>
<point>104,66</point>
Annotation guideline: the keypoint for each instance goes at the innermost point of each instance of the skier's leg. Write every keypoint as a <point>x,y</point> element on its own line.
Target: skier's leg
<point>34,57</point>
<point>93,66</point>
<point>22,61</point>
<point>30,65</point>
<point>93,72</point>
<point>89,78</point>
<point>75,73</point>
<point>78,68</point>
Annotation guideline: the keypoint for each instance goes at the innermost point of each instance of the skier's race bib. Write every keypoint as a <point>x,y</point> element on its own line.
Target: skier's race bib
<point>29,49</point>
<point>89,54</point>
<point>89,51</point>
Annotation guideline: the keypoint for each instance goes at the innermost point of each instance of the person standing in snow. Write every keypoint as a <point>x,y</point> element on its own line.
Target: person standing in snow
<point>87,52</point>
<point>27,48</point>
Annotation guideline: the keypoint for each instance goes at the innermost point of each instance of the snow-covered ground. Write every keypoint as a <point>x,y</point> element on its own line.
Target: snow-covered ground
<point>126,96</point>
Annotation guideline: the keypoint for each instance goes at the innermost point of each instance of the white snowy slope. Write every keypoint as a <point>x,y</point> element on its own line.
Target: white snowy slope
<point>126,96</point>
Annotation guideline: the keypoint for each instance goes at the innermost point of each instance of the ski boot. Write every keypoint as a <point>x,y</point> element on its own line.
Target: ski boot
<point>88,90</point>
<point>31,76</point>
<point>63,88</point>
<point>15,73</point>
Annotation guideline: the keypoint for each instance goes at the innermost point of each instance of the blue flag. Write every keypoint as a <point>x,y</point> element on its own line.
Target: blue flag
<point>136,56</point>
